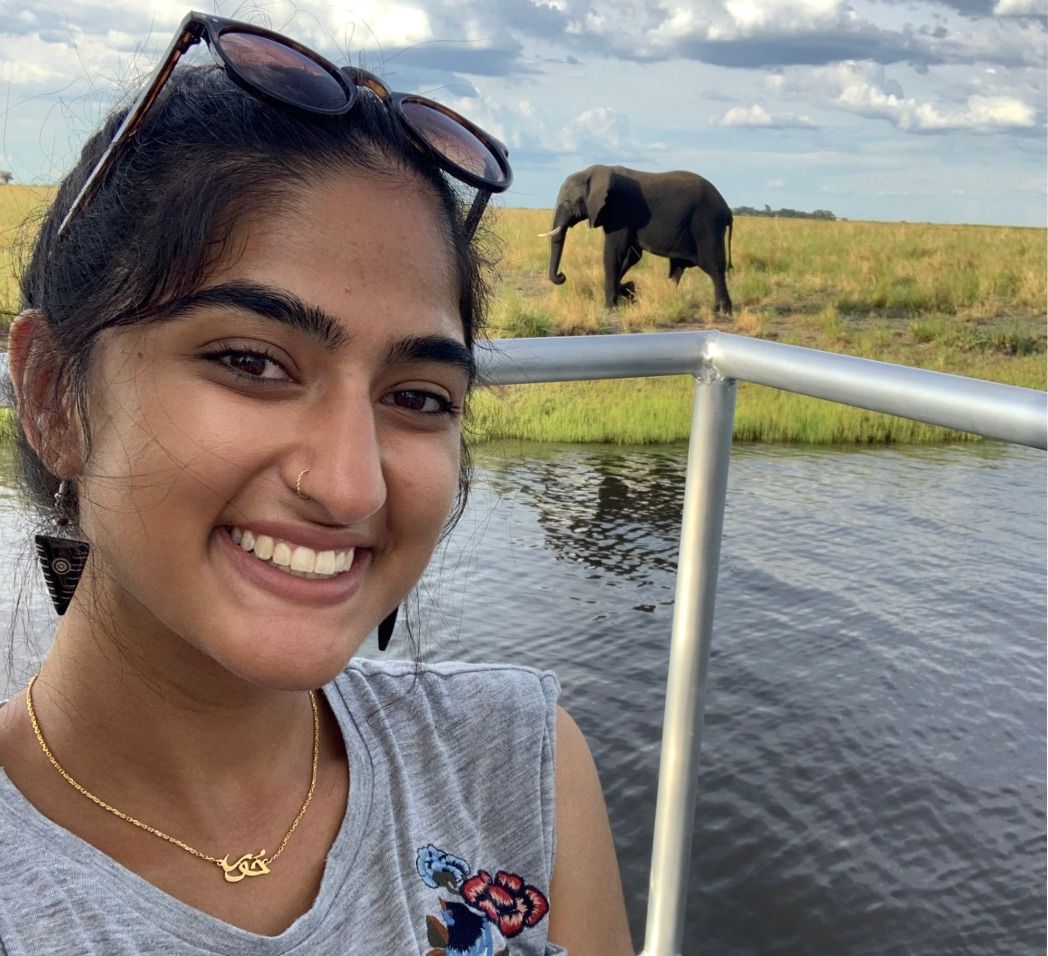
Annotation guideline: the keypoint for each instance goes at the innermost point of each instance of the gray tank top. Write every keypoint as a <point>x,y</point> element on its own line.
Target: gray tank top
<point>447,844</point>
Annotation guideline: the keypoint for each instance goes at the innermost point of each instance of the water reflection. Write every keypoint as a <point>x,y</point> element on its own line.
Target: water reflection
<point>613,514</point>
<point>873,764</point>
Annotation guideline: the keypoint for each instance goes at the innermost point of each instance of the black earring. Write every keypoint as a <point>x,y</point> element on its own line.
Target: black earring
<point>385,630</point>
<point>61,559</point>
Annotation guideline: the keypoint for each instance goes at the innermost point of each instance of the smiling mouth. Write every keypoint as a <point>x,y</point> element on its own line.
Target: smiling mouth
<point>294,559</point>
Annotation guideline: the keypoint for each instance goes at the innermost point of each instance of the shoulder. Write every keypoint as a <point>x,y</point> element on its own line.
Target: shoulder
<point>587,914</point>
<point>441,670</point>
<point>475,688</point>
<point>469,707</point>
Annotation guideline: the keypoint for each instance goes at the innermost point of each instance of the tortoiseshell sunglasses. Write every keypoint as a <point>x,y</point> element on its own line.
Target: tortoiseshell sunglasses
<point>280,71</point>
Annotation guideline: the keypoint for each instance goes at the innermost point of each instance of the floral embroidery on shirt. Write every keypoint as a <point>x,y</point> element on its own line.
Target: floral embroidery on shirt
<point>481,912</point>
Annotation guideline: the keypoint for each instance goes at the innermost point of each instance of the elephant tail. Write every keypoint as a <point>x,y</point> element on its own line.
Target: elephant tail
<point>730,266</point>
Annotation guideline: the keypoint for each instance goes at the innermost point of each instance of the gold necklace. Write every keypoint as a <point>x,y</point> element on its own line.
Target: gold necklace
<point>250,864</point>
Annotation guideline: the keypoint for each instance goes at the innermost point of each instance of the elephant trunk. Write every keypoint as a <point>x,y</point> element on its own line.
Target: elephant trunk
<point>556,250</point>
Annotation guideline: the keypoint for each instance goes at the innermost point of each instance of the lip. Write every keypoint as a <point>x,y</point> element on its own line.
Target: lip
<point>322,591</point>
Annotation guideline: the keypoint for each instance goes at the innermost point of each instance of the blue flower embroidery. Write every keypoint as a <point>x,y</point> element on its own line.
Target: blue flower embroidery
<point>469,933</point>
<point>440,869</point>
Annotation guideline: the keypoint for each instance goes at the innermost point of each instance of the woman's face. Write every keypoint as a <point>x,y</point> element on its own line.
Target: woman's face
<point>330,348</point>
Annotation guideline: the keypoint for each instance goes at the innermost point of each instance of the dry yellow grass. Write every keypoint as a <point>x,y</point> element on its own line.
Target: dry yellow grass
<point>20,208</point>
<point>799,267</point>
<point>919,294</point>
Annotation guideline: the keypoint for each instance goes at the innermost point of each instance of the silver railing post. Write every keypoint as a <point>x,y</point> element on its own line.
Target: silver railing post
<point>705,490</point>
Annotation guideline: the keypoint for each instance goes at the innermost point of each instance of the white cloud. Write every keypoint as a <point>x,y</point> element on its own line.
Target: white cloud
<point>603,135</point>
<point>666,27</point>
<point>602,129</point>
<point>1021,8</point>
<point>1000,111</point>
<point>373,23</point>
<point>758,116</point>
<point>755,115</point>
<point>753,16</point>
<point>980,112</point>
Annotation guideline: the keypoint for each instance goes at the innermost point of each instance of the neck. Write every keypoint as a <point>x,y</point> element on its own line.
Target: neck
<point>176,726</point>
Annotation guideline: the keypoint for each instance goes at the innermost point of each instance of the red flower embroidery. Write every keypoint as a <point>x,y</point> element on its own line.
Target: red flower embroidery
<point>509,902</point>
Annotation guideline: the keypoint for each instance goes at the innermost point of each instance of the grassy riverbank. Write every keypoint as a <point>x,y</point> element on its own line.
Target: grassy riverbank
<point>963,299</point>
<point>969,300</point>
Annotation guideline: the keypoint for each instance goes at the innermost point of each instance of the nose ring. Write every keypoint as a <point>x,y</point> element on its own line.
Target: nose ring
<point>298,485</point>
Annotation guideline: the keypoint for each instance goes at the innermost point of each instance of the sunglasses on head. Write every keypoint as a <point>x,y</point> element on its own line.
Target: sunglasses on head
<point>280,71</point>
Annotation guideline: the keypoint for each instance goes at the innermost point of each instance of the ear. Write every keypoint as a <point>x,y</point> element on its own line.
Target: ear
<point>597,192</point>
<point>44,401</point>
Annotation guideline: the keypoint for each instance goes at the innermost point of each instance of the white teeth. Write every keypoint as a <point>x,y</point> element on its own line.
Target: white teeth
<point>264,547</point>
<point>298,560</point>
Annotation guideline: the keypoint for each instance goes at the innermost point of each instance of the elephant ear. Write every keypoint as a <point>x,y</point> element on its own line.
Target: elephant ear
<point>597,192</point>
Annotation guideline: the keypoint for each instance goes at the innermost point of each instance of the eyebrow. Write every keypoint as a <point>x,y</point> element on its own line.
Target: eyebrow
<point>282,306</point>
<point>433,348</point>
<point>267,302</point>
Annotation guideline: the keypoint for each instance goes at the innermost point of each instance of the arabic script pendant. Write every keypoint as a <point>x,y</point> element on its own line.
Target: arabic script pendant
<point>247,865</point>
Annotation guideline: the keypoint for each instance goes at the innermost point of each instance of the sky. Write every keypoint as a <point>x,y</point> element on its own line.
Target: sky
<point>895,110</point>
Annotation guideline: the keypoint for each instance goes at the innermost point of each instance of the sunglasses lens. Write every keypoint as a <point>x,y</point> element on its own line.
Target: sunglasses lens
<point>282,72</point>
<point>454,142</point>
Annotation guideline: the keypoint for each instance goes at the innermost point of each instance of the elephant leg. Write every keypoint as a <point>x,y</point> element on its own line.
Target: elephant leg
<point>712,261</point>
<point>677,267</point>
<point>613,252</point>
<point>627,291</point>
<point>619,255</point>
<point>721,299</point>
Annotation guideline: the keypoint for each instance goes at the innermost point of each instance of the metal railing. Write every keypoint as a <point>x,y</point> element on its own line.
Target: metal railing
<point>717,361</point>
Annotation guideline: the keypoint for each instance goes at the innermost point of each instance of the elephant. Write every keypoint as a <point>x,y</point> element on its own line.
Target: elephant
<point>678,215</point>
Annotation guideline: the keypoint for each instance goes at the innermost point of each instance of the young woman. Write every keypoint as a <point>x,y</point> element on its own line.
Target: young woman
<point>240,368</point>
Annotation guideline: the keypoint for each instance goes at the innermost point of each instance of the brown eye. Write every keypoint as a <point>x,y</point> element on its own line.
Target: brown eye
<point>414,401</point>
<point>424,403</point>
<point>249,364</point>
<point>252,365</point>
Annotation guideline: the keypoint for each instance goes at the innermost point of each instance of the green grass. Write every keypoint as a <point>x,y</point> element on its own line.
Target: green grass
<point>628,411</point>
<point>658,410</point>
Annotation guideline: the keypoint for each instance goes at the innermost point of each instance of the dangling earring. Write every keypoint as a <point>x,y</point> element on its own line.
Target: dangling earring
<point>61,559</point>
<point>385,630</point>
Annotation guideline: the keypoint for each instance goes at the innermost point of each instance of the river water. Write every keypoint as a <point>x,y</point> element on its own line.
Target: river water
<point>873,770</point>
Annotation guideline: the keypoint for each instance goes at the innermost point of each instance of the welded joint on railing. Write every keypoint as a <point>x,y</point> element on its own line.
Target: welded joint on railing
<point>707,372</point>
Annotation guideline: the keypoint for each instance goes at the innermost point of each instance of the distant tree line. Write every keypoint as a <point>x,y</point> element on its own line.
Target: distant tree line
<point>768,212</point>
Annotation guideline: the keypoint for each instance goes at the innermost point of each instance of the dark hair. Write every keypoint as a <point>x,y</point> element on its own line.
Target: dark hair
<point>207,155</point>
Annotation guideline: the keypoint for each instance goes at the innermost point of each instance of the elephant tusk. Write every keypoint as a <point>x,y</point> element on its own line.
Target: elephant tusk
<point>552,232</point>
